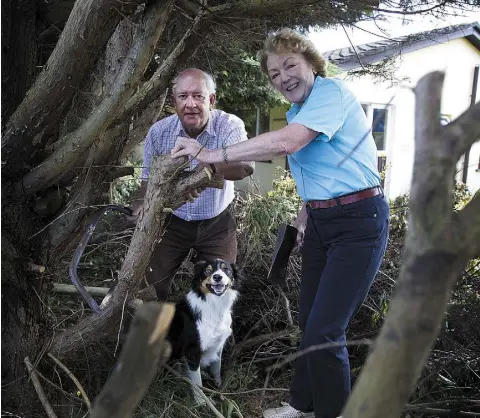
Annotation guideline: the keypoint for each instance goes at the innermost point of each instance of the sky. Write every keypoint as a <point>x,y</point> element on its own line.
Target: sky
<point>395,26</point>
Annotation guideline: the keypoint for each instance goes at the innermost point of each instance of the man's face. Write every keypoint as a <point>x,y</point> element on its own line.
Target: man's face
<point>193,103</point>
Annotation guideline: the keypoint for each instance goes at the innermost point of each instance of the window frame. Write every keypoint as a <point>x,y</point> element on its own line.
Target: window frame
<point>370,106</point>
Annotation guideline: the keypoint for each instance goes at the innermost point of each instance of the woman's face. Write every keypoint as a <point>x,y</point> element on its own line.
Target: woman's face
<point>291,75</point>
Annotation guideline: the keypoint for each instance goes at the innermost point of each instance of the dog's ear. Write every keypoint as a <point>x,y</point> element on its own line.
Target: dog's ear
<point>199,266</point>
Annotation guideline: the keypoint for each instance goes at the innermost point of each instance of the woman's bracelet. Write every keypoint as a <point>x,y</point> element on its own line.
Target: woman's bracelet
<point>225,158</point>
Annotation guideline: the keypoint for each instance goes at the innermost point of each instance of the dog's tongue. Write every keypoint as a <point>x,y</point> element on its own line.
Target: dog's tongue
<point>218,288</point>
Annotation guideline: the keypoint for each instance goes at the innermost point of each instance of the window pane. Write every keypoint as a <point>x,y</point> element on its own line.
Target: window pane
<point>379,125</point>
<point>365,108</point>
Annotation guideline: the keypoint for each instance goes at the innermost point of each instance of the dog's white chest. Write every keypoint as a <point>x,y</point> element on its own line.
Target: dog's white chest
<point>214,324</point>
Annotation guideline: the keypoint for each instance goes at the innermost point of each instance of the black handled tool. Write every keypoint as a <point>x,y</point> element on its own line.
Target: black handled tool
<point>286,240</point>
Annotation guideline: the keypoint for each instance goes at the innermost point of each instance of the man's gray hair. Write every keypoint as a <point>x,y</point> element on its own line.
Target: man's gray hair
<point>209,81</point>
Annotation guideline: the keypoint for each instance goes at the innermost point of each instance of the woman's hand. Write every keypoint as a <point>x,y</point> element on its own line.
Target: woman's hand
<point>301,224</point>
<point>297,249</point>
<point>191,148</point>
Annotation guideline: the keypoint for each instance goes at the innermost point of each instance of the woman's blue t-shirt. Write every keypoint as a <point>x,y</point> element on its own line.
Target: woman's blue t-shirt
<point>323,169</point>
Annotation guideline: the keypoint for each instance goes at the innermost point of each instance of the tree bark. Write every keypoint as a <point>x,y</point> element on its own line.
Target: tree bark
<point>94,180</point>
<point>76,52</point>
<point>21,326</point>
<point>19,48</point>
<point>142,124</point>
<point>144,351</point>
<point>76,143</point>
<point>436,251</point>
<point>152,88</point>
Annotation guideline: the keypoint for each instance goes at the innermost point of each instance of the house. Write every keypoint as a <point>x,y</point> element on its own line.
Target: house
<point>389,102</point>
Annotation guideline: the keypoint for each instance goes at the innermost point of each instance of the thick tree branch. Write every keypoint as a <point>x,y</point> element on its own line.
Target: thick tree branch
<point>431,265</point>
<point>463,131</point>
<point>148,33</point>
<point>431,190</point>
<point>166,191</point>
<point>141,125</point>
<point>76,52</point>
<point>144,351</point>
<point>163,191</point>
<point>160,79</point>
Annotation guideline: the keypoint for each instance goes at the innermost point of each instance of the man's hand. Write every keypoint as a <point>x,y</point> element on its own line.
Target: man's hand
<point>189,147</point>
<point>194,194</point>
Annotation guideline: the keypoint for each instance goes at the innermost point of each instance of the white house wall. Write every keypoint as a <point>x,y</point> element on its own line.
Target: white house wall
<point>458,59</point>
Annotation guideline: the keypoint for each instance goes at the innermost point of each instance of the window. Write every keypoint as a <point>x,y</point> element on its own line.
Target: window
<point>378,115</point>
<point>379,124</point>
<point>379,118</point>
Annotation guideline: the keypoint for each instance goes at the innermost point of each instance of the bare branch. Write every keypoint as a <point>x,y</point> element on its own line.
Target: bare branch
<point>144,351</point>
<point>414,12</point>
<point>463,131</point>
<point>117,172</point>
<point>39,389</point>
<point>76,51</point>
<point>79,141</point>
<point>166,189</point>
<point>74,379</point>
<point>160,79</point>
<point>141,126</point>
<point>433,171</point>
<point>71,289</point>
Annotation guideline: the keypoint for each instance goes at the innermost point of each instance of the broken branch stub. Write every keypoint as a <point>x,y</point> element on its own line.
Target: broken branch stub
<point>144,352</point>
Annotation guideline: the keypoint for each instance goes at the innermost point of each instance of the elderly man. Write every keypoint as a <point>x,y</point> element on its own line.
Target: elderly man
<point>206,223</point>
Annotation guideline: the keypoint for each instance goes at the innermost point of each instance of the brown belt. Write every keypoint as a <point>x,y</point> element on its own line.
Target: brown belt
<point>345,200</point>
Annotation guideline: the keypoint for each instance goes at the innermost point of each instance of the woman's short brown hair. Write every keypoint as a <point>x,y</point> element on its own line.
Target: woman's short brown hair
<point>287,40</point>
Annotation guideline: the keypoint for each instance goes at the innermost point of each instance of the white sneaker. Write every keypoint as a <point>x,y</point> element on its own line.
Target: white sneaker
<point>286,411</point>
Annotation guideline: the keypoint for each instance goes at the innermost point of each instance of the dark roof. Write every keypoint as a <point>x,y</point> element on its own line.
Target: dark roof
<point>347,59</point>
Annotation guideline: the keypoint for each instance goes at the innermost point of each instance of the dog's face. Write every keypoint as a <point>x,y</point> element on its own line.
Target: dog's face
<point>215,276</point>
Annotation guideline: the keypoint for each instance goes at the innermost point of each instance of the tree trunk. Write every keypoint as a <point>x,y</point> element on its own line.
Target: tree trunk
<point>19,48</point>
<point>438,245</point>
<point>21,307</point>
<point>76,52</point>
<point>22,311</point>
<point>94,179</point>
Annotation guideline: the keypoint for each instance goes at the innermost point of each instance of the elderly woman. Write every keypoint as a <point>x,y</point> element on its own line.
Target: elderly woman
<point>332,156</point>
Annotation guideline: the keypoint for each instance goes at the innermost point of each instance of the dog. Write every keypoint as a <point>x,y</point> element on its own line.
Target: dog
<point>203,318</point>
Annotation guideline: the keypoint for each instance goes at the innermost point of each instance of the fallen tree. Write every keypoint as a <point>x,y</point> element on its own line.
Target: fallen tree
<point>84,82</point>
<point>167,189</point>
